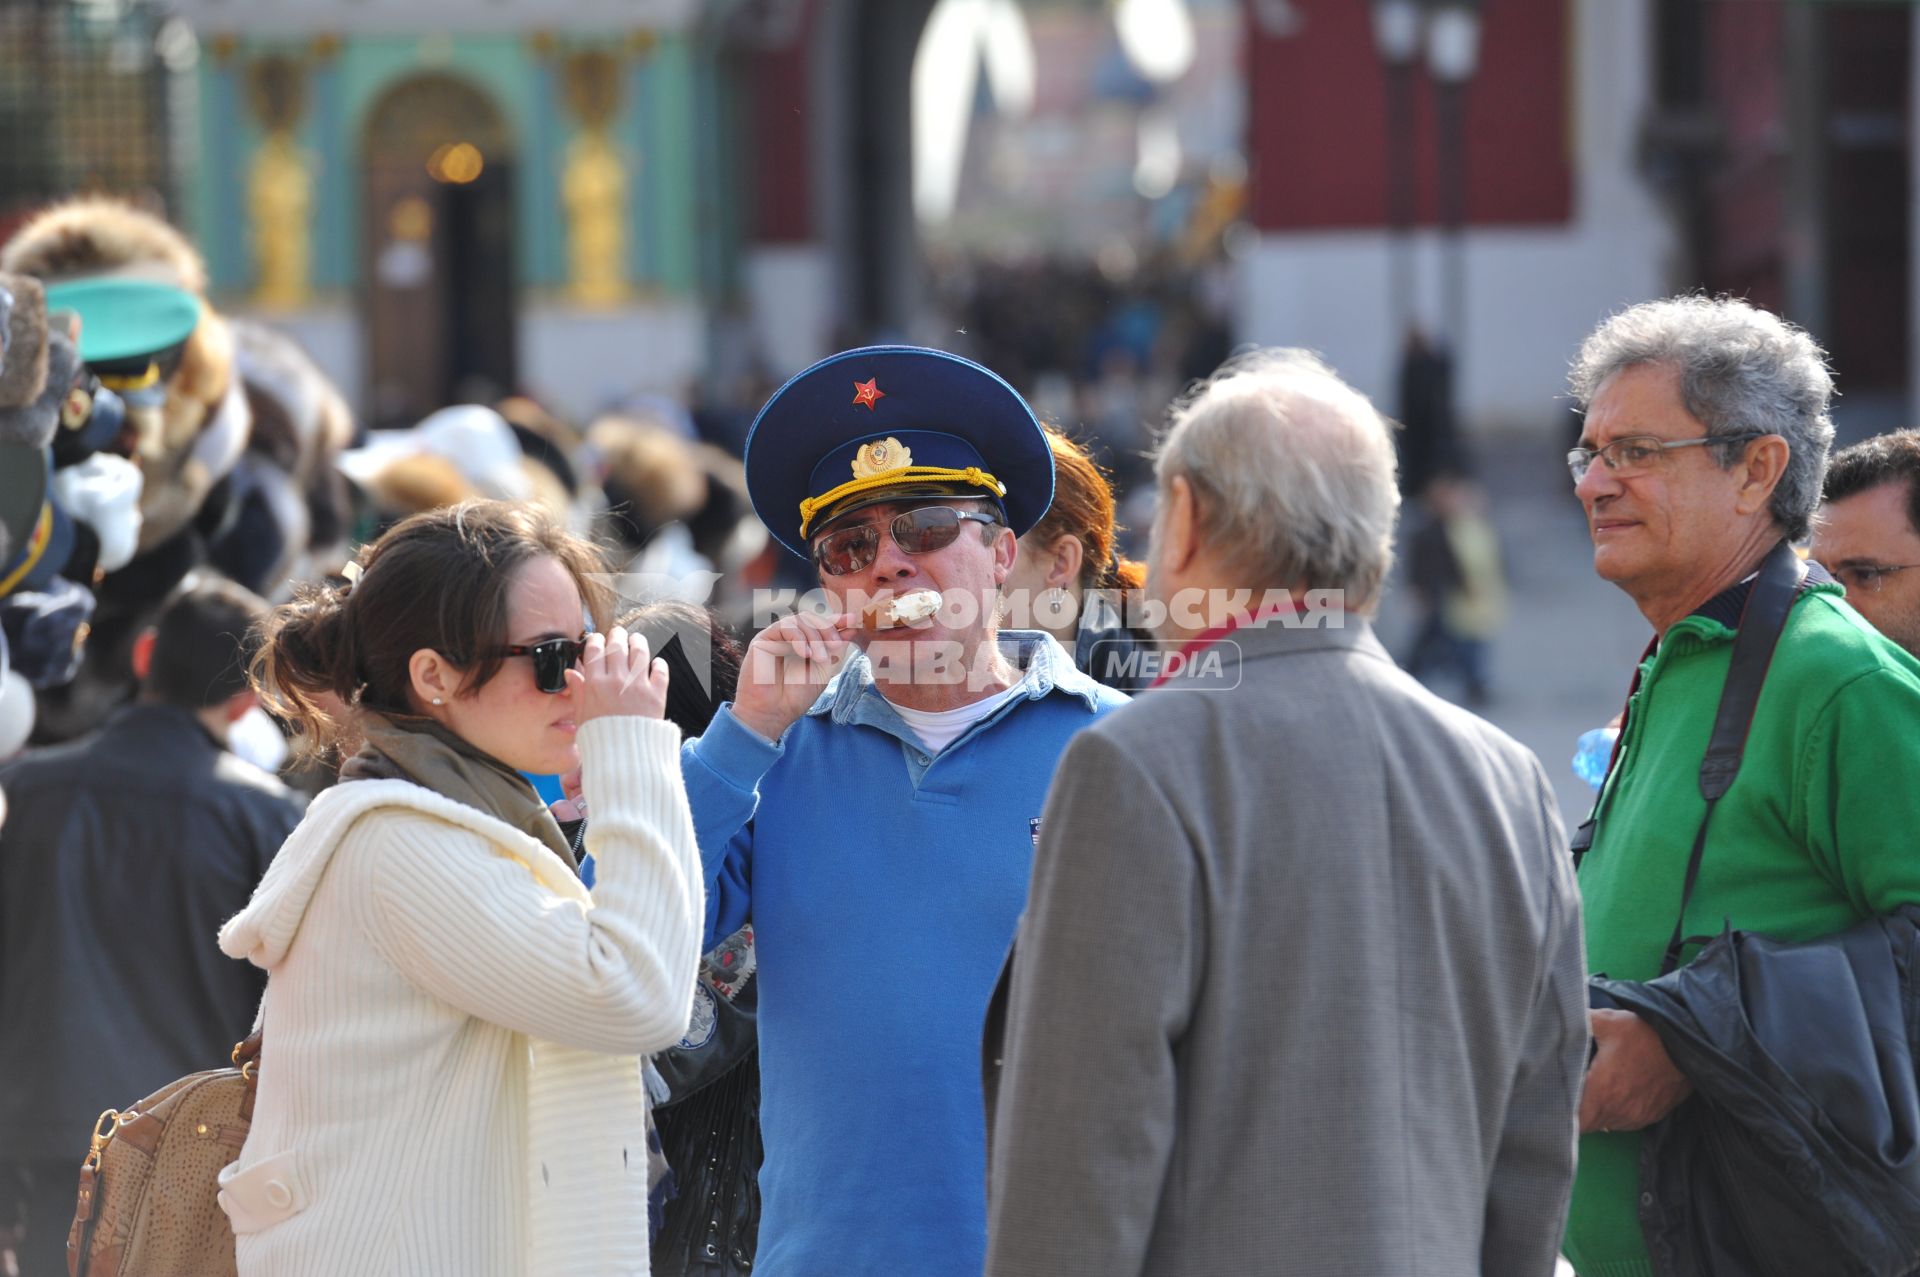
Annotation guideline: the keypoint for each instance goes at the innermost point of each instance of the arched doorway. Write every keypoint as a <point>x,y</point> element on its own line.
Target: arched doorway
<point>438,255</point>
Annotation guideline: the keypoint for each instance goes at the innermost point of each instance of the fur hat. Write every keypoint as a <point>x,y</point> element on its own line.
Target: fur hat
<point>34,423</point>
<point>475,438</point>
<point>652,476</point>
<point>300,419</point>
<point>97,235</point>
<point>23,340</point>
<point>417,483</point>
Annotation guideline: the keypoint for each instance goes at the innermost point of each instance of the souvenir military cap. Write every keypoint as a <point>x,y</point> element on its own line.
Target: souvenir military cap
<point>40,536</point>
<point>91,419</point>
<point>46,631</point>
<point>127,326</point>
<point>893,423</point>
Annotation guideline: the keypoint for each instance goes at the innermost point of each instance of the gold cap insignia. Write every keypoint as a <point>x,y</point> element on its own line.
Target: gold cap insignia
<point>78,408</point>
<point>881,456</point>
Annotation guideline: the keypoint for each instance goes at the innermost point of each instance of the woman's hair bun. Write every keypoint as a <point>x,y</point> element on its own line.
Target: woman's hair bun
<point>305,654</point>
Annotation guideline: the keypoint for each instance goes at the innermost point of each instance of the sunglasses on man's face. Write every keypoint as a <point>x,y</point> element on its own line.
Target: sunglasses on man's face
<point>552,658</point>
<point>921,530</point>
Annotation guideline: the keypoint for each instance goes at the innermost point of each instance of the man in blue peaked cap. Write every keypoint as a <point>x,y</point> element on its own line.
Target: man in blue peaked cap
<point>872,797</point>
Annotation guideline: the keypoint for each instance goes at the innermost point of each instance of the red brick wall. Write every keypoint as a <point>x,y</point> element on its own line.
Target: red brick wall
<point>1317,120</point>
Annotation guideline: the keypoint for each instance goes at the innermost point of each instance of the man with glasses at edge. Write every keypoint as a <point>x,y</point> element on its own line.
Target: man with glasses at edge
<point>1705,440</point>
<point>1868,532</point>
<point>872,797</point>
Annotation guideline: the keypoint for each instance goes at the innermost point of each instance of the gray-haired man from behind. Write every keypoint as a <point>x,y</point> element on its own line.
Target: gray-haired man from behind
<point>1300,986</point>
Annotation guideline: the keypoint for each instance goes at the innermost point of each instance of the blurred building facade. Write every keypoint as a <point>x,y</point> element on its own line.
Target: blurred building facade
<point>1616,150</point>
<point>449,201</point>
<point>88,97</point>
<point>1782,140</point>
<point>584,198</point>
<point>1560,226</point>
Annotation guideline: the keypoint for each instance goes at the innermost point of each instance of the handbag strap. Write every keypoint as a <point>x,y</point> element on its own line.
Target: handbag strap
<point>1761,624</point>
<point>246,1058</point>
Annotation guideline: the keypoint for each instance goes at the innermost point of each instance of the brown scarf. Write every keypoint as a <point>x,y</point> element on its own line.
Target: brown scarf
<point>422,751</point>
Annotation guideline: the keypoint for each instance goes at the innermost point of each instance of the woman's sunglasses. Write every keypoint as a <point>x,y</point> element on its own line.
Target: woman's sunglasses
<point>921,530</point>
<point>552,658</point>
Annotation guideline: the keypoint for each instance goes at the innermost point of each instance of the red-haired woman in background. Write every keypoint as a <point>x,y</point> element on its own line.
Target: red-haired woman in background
<point>1072,576</point>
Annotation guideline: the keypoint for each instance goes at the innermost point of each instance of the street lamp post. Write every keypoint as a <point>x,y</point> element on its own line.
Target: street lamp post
<point>1397,37</point>
<point>1447,32</point>
<point>1453,54</point>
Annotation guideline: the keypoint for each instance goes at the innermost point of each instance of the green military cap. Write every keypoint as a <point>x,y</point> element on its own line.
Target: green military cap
<point>126,324</point>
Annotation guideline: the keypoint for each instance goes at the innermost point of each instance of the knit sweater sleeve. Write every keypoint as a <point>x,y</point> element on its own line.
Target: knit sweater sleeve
<point>475,928</point>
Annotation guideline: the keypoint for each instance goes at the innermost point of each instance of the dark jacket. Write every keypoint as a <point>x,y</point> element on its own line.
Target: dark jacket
<point>710,1123</point>
<point>1110,653</point>
<point>121,856</point>
<point>1800,1149</point>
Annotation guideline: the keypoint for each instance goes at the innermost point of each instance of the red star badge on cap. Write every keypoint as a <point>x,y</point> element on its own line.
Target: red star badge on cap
<point>866,392</point>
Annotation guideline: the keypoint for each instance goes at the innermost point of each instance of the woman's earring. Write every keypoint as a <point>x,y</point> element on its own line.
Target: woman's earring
<point>438,701</point>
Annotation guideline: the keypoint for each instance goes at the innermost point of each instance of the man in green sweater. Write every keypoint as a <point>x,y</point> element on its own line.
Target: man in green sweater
<point>1705,442</point>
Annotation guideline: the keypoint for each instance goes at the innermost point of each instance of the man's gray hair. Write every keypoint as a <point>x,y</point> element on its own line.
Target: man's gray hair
<point>1294,473</point>
<point>1743,371</point>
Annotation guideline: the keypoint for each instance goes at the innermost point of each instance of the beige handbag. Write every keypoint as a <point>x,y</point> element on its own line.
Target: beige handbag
<point>148,1204</point>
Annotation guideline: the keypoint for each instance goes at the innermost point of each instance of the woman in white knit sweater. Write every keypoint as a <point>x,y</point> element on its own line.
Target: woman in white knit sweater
<point>451,1080</point>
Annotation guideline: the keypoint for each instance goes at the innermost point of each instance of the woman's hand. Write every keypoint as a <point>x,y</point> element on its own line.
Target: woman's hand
<point>618,675</point>
<point>573,804</point>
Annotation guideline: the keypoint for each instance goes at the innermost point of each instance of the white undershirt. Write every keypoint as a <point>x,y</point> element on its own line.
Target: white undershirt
<point>939,728</point>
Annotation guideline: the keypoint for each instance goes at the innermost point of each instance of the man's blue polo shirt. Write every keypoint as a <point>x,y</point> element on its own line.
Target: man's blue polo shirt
<point>885,885</point>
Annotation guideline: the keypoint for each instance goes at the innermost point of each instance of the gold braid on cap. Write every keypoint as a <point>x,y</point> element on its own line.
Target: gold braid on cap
<point>974,475</point>
<point>133,381</point>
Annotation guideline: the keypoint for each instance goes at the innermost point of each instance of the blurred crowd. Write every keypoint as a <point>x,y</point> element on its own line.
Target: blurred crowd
<point>1099,346</point>
<point>494,990</point>
<point>238,455</point>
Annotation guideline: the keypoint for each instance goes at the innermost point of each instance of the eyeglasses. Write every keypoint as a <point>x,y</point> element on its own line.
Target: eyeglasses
<point>552,658</point>
<point>921,530</point>
<point>1866,578</point>
<point>1638,454</point>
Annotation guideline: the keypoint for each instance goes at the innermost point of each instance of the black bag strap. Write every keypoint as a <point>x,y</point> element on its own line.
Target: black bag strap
<point>1761,623</point>
<point>1582,841</point>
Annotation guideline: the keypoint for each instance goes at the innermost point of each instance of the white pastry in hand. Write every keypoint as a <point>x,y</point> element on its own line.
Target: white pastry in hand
<point>906,609</point>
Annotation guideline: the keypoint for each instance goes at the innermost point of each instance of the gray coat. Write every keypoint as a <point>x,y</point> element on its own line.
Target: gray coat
<point>1299,990</point>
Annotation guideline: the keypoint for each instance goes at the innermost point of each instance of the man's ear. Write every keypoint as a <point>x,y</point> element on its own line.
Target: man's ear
<point>1761,471</point>
<point>142,656</point>
<point>1178,527</point>
<point>1006,548</point>
<point>433,679</point>
<point>238,705</point>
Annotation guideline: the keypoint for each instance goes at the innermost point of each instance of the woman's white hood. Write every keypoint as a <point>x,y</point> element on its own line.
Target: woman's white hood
<point>264,931</point>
